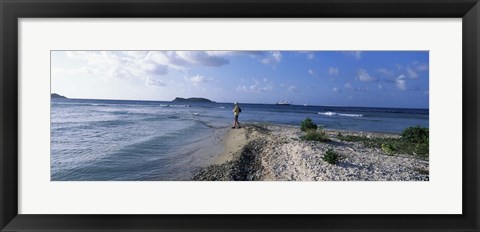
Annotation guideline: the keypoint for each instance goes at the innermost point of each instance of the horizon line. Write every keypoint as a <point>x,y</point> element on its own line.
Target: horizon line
<point>242,103</point>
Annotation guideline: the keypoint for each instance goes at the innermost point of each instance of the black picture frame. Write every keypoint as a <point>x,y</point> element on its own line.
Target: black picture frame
<point>12,10</point>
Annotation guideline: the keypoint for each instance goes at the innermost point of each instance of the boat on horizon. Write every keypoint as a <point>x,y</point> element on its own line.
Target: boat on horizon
<point>284,102</point>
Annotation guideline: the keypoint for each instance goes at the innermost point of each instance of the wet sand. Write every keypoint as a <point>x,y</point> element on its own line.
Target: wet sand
<point>234,140</point>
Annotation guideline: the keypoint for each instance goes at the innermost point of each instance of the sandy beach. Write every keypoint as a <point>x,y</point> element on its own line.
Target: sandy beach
<point>233,142</point>
<point>277,153</point>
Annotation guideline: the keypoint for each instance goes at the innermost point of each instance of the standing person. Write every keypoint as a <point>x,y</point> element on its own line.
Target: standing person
<point>236,111</point>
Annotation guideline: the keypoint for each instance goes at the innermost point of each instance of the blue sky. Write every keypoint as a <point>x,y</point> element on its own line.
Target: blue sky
<point>334,78</point>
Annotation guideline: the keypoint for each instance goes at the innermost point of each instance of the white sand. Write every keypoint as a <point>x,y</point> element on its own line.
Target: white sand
<point>283,156</point>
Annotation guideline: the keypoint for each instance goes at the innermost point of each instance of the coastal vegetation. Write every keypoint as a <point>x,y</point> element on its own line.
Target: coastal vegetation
<point>414,141</point>
<point>192,99</point>
<point>330,156</point>
<point>316,135</point>
<point>312,131</point>
<point>55,95</point>
<point>415,134</point>
<point>308,124</point>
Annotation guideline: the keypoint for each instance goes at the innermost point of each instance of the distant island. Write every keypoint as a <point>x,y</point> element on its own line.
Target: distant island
<point>192,99</point>
<point>54,95</point>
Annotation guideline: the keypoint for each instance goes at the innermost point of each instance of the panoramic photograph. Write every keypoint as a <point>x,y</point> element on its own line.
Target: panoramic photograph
<point>239,115</point>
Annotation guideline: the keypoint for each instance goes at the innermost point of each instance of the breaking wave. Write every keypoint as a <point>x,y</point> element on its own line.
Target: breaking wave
<point>329,113</point>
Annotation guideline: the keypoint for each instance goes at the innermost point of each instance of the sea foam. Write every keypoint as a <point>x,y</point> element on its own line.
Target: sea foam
<point>329,113</point>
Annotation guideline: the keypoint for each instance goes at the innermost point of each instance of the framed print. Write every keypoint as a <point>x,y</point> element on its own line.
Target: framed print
<point>250,116</point>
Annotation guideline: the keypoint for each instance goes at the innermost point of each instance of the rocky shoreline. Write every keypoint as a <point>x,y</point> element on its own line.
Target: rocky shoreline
<point>276,153</point>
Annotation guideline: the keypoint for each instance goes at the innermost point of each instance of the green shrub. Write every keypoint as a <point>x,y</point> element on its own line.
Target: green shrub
<point>316,135</point>
<point>330,157</point>
<point>307,124</point>
<point>422,149</point>
<point>388,148</point>
<point>415,134</point>
<point>351,138</point>
<point>390,145</point>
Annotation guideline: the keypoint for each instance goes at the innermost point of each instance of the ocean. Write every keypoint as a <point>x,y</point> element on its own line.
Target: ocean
<point>119,140</point>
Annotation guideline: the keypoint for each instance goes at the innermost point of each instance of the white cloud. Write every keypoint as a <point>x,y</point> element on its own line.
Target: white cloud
<point>363,75</point>
<point>108,64</point>
<point>401,83</point>
<point>114,64</point>
<point>311,72</point>
<point>197,79</point>
<point>154,82</point>
<point>84,71</point>
<point>94,57</point>
<point>174,59</point>
<point>136,54</point>
<point>357,55</point>
<point>242,88</point>
<point>380,86</point>
<point>184,60</point>
<point>421,67</point>
<point>348,86</point>
<point>170,59</point>
<point>335,89</point>
<point>204,58</point>
<point>145,65</point>
<point>277,56</point>
<point>411,74</point>
<point>356,89</point>
<point>257,87</point>
<point>386,72</point>
<point>273,57</point>
<point>408,71</point>
<point>310,54</point>
<point>221,53</point>
<point>333,71</point>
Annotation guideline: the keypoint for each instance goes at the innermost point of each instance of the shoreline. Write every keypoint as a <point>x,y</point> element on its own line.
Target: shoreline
<point>269,152</point>
<point>233,141</point>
